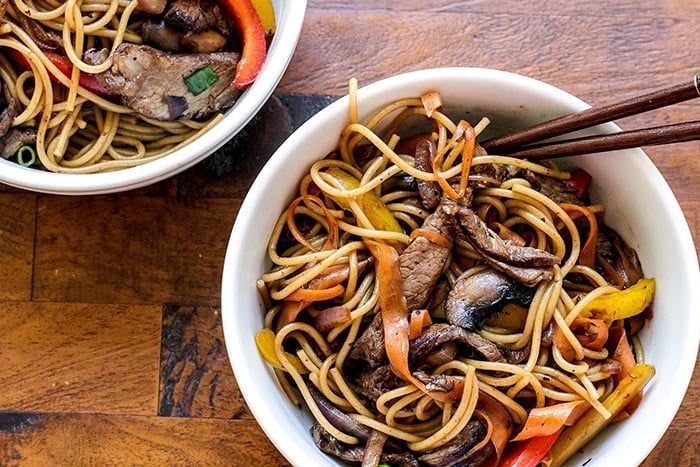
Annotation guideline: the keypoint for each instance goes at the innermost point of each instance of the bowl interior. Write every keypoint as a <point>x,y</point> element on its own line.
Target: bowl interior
<point>639,204</point>
<point>289,17</point>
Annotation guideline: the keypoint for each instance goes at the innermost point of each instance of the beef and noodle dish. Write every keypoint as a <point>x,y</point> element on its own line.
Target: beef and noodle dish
<point>432,304</point>
<point>97,85</point>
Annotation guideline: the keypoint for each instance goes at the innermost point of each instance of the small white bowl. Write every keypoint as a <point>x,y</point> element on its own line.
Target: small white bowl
<point>640,205</point>
<point>289,16</point>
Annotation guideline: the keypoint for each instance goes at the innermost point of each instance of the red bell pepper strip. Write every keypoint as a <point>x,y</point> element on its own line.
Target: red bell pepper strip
<point>541,430</point>
<point>529,453</point>
<point>252,35</point>
<point>578,182</point>
<point>64,64</point>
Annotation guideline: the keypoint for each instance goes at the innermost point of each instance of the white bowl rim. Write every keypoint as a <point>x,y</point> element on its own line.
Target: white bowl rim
<point>250,102</point>
<point>239,348</point>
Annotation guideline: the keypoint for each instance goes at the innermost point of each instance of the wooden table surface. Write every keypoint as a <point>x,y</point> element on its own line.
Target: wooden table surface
<point>111,346</point>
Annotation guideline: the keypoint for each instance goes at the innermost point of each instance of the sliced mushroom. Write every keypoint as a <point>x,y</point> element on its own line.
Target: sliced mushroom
<point>474,298</point>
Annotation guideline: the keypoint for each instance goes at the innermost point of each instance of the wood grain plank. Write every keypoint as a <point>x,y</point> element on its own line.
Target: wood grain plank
<point>96,439</point>
<point>79,358</point>
<point>677,447</point>
<point>617,52</point>
<point>131,249</point>
<point>196,379</point>
<point>17,214</point>
<point>624,8</point>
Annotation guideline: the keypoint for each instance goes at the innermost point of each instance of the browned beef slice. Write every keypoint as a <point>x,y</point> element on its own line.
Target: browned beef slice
<point>423,160</point>
<point>523,263</point>
<point>423,261</point>
<point>375,382</point>
<point>369,346</point>
<point>152,82</point>
<point>553,188</point>
<point>438,334</point>
<point>455,451</point>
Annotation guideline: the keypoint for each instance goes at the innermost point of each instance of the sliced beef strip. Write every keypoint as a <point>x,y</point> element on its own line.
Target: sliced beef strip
<point>429,191</point>
<point>439,334</point>
<point>526,264</point>
<point>423,261</point>
<point>369,346</point>
<point>8,114</point>
<point>15,139</point>
<point>613,249</point>
<point>455,451</point>
<point>152,83</point>
<point>553,188</point>
<point>372,383</point>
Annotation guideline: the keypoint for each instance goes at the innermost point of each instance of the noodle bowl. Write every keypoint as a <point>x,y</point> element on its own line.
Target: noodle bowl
<point>108,145</point>
<point>328,361</point>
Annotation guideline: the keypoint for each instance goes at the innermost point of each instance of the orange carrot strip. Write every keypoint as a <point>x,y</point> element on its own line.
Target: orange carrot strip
<point>432,235</point>
<point>560,341</point>
<point>395,319</point>
<point>419,320</point>
<point>593,339</point>
<point>499,417</point>
<point>587,255</point>
<point>316,295</point>
<point>544,421</point>
<point>431,101</point>
<point>446,187</point>
<point>289,312</point>
<point>332,239</point>
<point>467,155</point>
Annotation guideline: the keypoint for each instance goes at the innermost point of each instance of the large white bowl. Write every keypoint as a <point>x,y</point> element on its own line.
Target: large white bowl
<point>289,15</point>
<point>640,206</point>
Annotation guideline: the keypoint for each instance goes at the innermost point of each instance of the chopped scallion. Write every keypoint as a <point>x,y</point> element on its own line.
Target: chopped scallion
<point>26,156</point>
<point>201,80</point>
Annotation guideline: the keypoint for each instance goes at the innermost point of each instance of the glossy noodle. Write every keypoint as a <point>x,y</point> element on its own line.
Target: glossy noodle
<point>442,368</point>
<point>77,130</point>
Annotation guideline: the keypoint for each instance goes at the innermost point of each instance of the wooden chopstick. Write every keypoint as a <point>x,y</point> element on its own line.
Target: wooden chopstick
<point>593,116</point>
<point>666,134</point>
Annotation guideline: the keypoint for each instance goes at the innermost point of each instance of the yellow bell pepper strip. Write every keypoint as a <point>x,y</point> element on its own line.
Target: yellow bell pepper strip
<point>592,422</point>
<point>265,342</point>
<point>266,12</point>
<point>624,303</point>
<point>374,208</point>
<point>252,36</point>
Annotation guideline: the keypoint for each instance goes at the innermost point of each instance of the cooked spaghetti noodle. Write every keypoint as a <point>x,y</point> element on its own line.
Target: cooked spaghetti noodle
<point>77,130</point>
<point>330,282</point>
